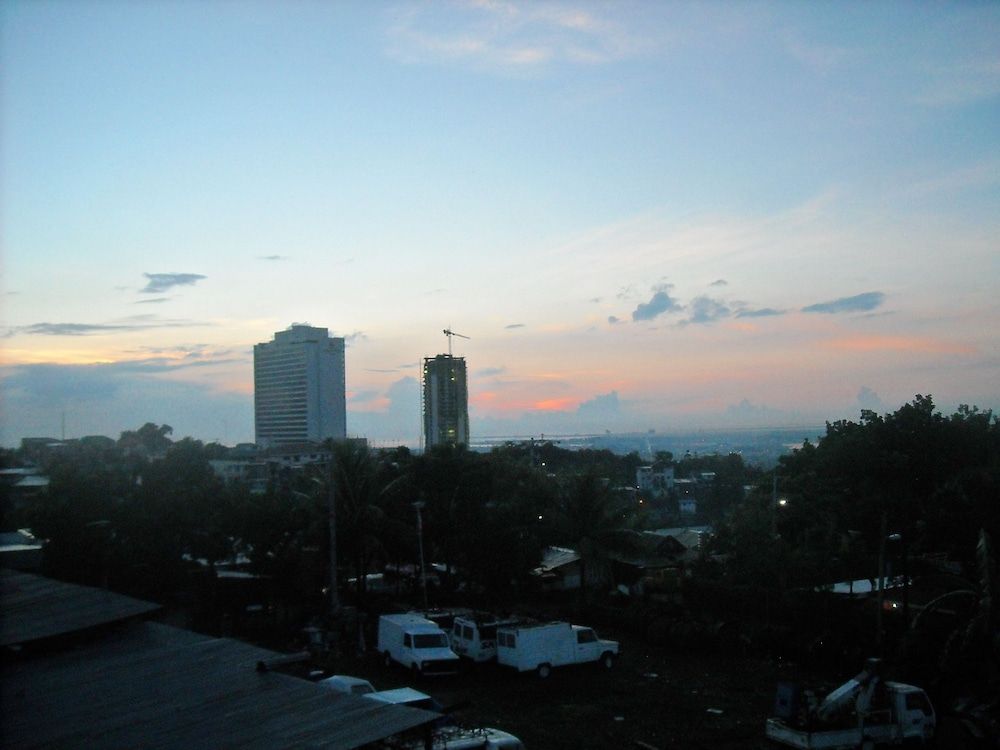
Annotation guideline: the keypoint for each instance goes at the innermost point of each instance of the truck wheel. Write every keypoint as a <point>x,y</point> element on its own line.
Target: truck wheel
<point>386,659</point>
<point>544,670</point>
<point>608,660</point>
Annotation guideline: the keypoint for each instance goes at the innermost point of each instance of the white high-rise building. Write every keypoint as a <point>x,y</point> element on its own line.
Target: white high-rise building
<point>299,388</point>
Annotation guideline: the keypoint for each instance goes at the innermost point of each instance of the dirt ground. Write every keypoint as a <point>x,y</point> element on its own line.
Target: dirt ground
<point>651,698</point>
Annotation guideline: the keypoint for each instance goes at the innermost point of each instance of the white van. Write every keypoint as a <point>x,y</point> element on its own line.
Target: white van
<point>475,637</point>
<point>542,646</point>
<point>416,643</point>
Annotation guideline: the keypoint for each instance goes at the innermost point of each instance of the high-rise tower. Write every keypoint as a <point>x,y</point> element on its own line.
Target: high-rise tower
<point>299,390</point>
<point>446,401</point>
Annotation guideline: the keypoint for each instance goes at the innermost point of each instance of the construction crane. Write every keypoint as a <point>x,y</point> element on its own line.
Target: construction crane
<point>449,333</point>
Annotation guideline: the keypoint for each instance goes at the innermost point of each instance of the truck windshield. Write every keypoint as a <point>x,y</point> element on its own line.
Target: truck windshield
<point>918,702</point>
<point>430,640</point>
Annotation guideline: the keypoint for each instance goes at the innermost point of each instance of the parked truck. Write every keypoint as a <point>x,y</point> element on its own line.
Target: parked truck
<point>416,643</point>
<point>474,636</point>
<point>541,646</point>
<point>864,712</point>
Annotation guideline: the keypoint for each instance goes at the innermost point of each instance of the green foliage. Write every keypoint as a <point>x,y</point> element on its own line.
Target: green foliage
<point>593,521</point>
<point>149,440</point>
<point>934,478</point>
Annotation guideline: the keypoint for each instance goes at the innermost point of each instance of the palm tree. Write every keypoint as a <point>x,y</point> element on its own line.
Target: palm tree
<point>360,513</point>
<point>591,520</point>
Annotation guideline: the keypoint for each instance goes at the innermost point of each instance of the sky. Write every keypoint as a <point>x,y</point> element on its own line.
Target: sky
<point>643,215</point>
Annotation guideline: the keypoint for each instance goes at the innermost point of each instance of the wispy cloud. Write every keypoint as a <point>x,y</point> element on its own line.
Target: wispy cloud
<point>661,302</point>
<point>505,35</point>
<point>719,282</point>
<point>626,293</point>
<point>981,175</point>
<point>65,329</point>
<point>272,257</point>
<point>361,397</point>
<point>355,337</point>
<point>962,83</point>
<point>614,320</point>
<point>858,303</point>
<point>134,323</point>
<point>815,54</point>
<point>512,326</point>
<point>154,301</point>
<point>491,372</point>
<point>161,282</point>
<point>763,312</point>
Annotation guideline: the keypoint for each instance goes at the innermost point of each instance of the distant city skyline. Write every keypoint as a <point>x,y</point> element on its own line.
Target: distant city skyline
<point>645,215</point>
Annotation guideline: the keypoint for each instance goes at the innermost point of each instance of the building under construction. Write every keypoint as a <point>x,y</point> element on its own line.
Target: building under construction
<point>445,401</point>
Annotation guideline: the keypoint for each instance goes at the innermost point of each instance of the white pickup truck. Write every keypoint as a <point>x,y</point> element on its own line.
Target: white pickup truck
<point>541,646</point>
<point>864,712</point>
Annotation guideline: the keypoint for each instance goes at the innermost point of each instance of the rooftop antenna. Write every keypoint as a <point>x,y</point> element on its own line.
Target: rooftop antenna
<point>449,333</point>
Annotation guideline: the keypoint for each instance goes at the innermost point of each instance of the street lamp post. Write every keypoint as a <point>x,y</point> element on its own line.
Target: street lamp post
<point>331,510</point>
<point>419,505</point>
<point>332,521</point>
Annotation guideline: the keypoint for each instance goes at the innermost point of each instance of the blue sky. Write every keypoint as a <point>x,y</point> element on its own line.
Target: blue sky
<point>645,215</point>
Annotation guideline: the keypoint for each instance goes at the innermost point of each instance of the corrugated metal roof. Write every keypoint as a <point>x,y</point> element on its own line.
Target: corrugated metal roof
<point>155,686</point>
<point>556,557</point>
<point>35,608</point>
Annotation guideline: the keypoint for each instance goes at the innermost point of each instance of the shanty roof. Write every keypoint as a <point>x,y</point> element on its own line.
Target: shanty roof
<point>690,536</point>
<point>155,686</point>
<point>863,586</point>
<point>556,557</point>
<point>150,685</point>
<point>35,608</point>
